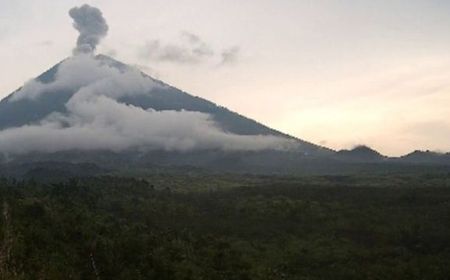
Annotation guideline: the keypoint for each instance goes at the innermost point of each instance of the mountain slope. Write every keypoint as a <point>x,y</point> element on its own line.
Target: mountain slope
<point>360,154</point>
<point>143,123</point>
<point>16,113</point>
<point>426,157</point>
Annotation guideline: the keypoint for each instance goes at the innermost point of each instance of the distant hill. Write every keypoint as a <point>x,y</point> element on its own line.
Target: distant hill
<point>305,158</point>
<point>426,157</point>
<point>30,111</point>
<point>360,153</point>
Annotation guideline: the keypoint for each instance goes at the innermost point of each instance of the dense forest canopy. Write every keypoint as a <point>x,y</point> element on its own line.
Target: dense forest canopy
<point>227,227</point>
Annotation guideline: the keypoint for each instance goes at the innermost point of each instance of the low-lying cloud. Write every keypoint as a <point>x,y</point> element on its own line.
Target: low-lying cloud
<point>96,120</point>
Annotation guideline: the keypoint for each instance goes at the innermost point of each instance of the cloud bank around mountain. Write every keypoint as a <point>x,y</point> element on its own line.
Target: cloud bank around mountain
<point>96,120</point>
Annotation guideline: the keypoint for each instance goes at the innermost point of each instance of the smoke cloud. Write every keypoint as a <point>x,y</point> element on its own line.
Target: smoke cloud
<point>92,26</point>
<point>96,120</point>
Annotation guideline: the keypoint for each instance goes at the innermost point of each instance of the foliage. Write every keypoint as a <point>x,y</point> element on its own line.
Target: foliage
<point>225,227</point>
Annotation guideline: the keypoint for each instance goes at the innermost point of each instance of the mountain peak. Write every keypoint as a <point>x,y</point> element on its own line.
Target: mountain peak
<point>360,153</point>
<point>427,156</point>
<point>99,94</point>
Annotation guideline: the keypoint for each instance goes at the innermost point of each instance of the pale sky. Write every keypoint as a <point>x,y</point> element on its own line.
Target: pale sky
<point>334,72</point>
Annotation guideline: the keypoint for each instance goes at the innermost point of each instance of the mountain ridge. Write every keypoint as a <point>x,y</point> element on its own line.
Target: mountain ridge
<point>18,113</point>
<point>306,158</point>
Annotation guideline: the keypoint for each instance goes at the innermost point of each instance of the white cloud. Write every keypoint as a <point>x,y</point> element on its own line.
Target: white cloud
<point>96,120</point>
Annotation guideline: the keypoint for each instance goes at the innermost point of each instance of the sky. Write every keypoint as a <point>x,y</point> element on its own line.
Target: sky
<point>338,73</point>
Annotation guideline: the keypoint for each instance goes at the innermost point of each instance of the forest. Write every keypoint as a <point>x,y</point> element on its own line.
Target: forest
<point>199,226</point>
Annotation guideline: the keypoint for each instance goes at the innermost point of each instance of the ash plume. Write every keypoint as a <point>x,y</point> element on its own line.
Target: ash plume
<point>96,118</point>
<point>92,26</point>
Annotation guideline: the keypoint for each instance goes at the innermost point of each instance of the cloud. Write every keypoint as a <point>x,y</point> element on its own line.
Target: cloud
<point>92,26</point>
<point>96,120</point>
<point>191,37</point>
<point>191,50</point>
<point>104,124</point>
<point>230,55</point>
<point>73,73</point>
<point>110,52</point>
<point>198,46</point>
<point>154,50</point>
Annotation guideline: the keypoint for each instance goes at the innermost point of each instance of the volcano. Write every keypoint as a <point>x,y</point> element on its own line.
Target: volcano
<point>26,111</point>
<point>17,111</point>
<point>78,111</point>
<point>96,110</point>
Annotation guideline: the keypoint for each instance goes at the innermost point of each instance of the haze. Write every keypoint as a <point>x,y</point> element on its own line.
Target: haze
<point>337,73</point>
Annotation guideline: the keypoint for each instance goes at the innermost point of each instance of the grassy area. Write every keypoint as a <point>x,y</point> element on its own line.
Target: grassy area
<point>188,226</point>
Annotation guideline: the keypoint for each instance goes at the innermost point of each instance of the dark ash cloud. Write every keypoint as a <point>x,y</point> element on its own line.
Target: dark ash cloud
<point>92,26</point>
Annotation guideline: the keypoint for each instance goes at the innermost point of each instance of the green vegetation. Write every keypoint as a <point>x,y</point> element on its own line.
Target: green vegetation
<point>227,227</point>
